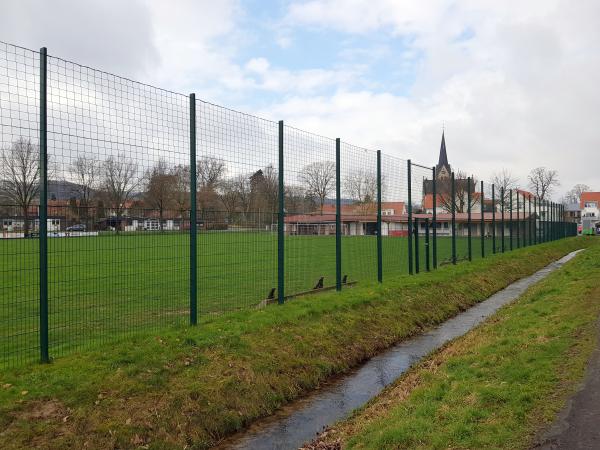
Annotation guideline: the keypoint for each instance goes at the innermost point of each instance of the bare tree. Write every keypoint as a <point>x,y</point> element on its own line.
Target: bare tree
<point>120,180</point>
<point>264,184</point>
<point>160,189</point>
<point>319,180</point>
<point>181,189</point>
<point>504,180</point>
<point>85,173</point>
<point>210,172</point>
<point>20,176</point>
<point>230,198</point>
<point>264,194</point>
<point>297,201</point>
<point>244,193</point>
<point>574,195</point>
<point>361,186</point>
<point>461,192</point>
<point>542,181</point>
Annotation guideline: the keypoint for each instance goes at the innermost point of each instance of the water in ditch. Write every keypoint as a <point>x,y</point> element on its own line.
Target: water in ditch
<point>300,421</point>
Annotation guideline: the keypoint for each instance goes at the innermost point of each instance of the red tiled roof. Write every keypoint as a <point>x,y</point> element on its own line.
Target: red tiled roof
<point>525,194</point>
<point>589,197</point>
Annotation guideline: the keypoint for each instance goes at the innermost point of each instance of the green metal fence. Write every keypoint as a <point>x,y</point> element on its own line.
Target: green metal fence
<point>126,207</point>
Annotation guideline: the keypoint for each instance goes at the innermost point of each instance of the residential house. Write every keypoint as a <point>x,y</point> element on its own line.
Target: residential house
<point>590,212</point>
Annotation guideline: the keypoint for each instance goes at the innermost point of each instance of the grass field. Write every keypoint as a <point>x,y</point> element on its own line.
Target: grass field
<point>100,286</point>
<point>499,385</point>
<point>190,386</point>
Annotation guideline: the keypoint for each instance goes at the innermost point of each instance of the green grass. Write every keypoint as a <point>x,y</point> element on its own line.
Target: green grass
<point>500,384</point>
<point>181,386</point>
<point>106,285</point>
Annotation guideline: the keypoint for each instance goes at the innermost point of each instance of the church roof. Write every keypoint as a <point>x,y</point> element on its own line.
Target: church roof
<point>443,160</point>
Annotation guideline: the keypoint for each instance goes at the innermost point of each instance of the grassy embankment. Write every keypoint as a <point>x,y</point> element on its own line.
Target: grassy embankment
<point>497,386</point>
<point>192,386</point>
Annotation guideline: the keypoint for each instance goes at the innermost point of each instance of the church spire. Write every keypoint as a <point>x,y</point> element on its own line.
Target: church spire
<point>443,168</point>
<point>443,161</point>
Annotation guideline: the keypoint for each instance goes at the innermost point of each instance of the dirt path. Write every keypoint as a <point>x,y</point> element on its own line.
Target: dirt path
<point>578,424</point>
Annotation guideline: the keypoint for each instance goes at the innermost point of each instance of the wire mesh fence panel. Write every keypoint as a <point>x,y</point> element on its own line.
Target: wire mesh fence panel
<point>19,177</point>
<point>462,184</point>
<point>118,250</point>
<point>156,199</point>
<point>444,207</point>
<point>358,173</point>
<point>310,177</point>
<point>421,183</point>
<point>238,176</point>
<point>394,226</point>
<point>490,212</point>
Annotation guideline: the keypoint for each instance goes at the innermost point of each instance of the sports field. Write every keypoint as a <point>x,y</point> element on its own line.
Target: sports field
<point>104,285</point>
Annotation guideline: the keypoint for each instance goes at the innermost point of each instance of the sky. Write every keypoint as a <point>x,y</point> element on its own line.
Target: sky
<point>513,83</point>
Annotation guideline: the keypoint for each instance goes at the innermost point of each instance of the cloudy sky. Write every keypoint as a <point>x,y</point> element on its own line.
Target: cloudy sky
<point>514,83</point>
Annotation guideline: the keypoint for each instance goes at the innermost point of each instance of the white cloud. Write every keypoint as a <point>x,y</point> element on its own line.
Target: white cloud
<point>111,34</point>
<point>514,82</point>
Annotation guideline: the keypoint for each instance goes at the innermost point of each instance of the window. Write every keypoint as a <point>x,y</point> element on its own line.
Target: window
<point>591,204</point>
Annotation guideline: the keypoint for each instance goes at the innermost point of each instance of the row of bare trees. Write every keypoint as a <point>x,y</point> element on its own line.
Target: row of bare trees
<point>541,182</point>
<point>115,182</point>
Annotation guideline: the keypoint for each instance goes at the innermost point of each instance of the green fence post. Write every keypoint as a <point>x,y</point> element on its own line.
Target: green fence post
<point>564,221</point>
<point>559,221</point>
<point>281,225</point>
<point>410,249</point>
<point>453,193</point>
<point>518,222</point>
<point>43,210</point>
<point>554,221</point>
<point>550,219</point>
<point>469,244</point>
<point>482,231</point>
<point>510,222</point>
<point>193,216</point>
<point>546,221</point>
<point>416,233</point>
<point>523,228</point>
<point>434,219</point>
<point>535,221</point>
<point>502,194</point>
<point>338,218</point>
<point>493,219</point>
<point>542,222</point>
<point>427,267</point>
<point>530,225</point>
<point>524,224</point>
<point>379,243</point>
<point>542,204</point>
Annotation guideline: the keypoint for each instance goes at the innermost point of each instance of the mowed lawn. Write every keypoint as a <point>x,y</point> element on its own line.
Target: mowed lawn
<point>106,285</point>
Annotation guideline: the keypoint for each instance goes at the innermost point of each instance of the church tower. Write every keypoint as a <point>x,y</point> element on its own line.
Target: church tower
<point>443,169</point>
